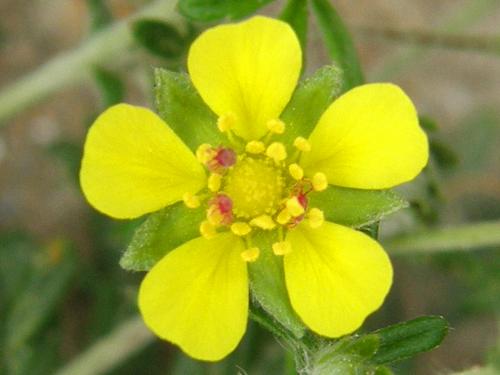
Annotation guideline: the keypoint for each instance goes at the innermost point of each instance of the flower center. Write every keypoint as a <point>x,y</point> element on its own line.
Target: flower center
<point>255,186</point>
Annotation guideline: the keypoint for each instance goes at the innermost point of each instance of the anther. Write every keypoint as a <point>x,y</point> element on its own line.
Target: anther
<point>205,153</point>
<point>294,207</point>
<point>276,126</point>
<point>214,182</point>
<point>283,217</point>
<point>255,147</point>
<point>319,181</point>
<point>226,122</point>
<point>282,248</point>
<point>220,210</point>
<point>240,228</point>
<point>251,254</point>
<point>316,217</point>
<point>302,144</point>
<point>296,171</point>
<point>207,230</point>
<point>191,200</point>
<point>276,151</point>
<point>263,222</point>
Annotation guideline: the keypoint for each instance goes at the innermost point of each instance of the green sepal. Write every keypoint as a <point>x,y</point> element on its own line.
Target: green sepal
<point>296,15</point>
<point>183,109</point>
<point>162,232</point>
<point>214,10</point>
<point>267,283</point>
<point>356,207</point>
<point>159,38</point>
<point>338,42</point>
<point>407,339</point>
<point>311,98</point>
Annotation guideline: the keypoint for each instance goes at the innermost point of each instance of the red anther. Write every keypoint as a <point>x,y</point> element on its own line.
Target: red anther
<point>224,158</point>
<point>224,203</point>
<point>221,207</point>
<point>302,198</point>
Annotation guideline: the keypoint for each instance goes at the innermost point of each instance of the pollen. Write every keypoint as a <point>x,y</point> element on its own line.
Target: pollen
<point>190,200</point>
<point>250,255</point>
<point>283,217</point>
<point>282,248</point>
<point>264,222</point>
<point>226,122</point>
<point>255,186</point>
<point>240,228</point>
<point>296,171</point>
<point>276,126</point>
<point>294,207</point>
<point>255,147</point>
<point>207,230</point>
<point>302,144</point>
<point>316,217</point>
<point>319,181</point>
<point>276,151</point>
<point>214,182</point>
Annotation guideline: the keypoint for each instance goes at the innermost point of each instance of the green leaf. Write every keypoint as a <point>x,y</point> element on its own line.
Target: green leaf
<point>267,283</point>
<point>159,38</point>
<point>405,340</point>
<point>311,98</point>
<point>295,13</point>
<point>182,108</point>
<point>214,10</point>
<point>110,86</point>
<point>162,232</point>
<point>356,207</point>
<point>100,15</point>
<point>338,43</point>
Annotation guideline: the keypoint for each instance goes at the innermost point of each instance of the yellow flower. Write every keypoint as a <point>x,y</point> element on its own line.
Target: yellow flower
<point>197,295</point>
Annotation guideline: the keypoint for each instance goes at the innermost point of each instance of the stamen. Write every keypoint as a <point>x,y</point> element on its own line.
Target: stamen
<point>207,230</point>
<point>283,217</point>
<point>296,171</point>
<point>191,200</point>
<point>276,126</point>
<point>302,144</point>
<point>220,210</point>
<point>240,228</point>
<point>282,248</point>
<point>205,153</point>
<point>294,207</point>
<point>250,255</point>
<point>316,217</point>
<point>276,151</point>
<point>319,181</point>
<point>263,222</point>
<point>255,147</point>
<point>225,157</point>
<point>226,122</point>
<point>214,182</point>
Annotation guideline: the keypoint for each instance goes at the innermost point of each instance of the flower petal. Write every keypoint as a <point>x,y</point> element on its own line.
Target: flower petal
<point>133,163</point>
<point>369,138</point>
<point>335,277</point>
<point>197,296</point>
<point>249,69</point>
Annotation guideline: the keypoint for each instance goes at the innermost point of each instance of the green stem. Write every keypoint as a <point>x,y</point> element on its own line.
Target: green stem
<point>110,351</point>
<point>461,238</point>
<point>75,66</point>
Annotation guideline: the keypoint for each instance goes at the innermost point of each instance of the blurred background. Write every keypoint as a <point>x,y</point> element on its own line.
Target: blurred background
<point>61,288</point>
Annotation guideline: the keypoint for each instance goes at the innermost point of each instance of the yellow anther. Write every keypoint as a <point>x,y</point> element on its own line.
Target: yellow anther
<point>276,151</point>
<point>283,217</point>
<point>276,126</point>
<point>240,228</point>
<point>226,122</point>
<point>319,181</point>
<point>302,144</point>
<point>282,248</point>
<point>214,216</point>
<point>190,200</point>
<point>294,207</point>
<point>250,255</point>
<point>204,153</point>
<point>316,217</point>
<point>296,171</point>
<point>214,182</point>
<point>207,230</point>
<point>263,222</point>
<point>255,147</point>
